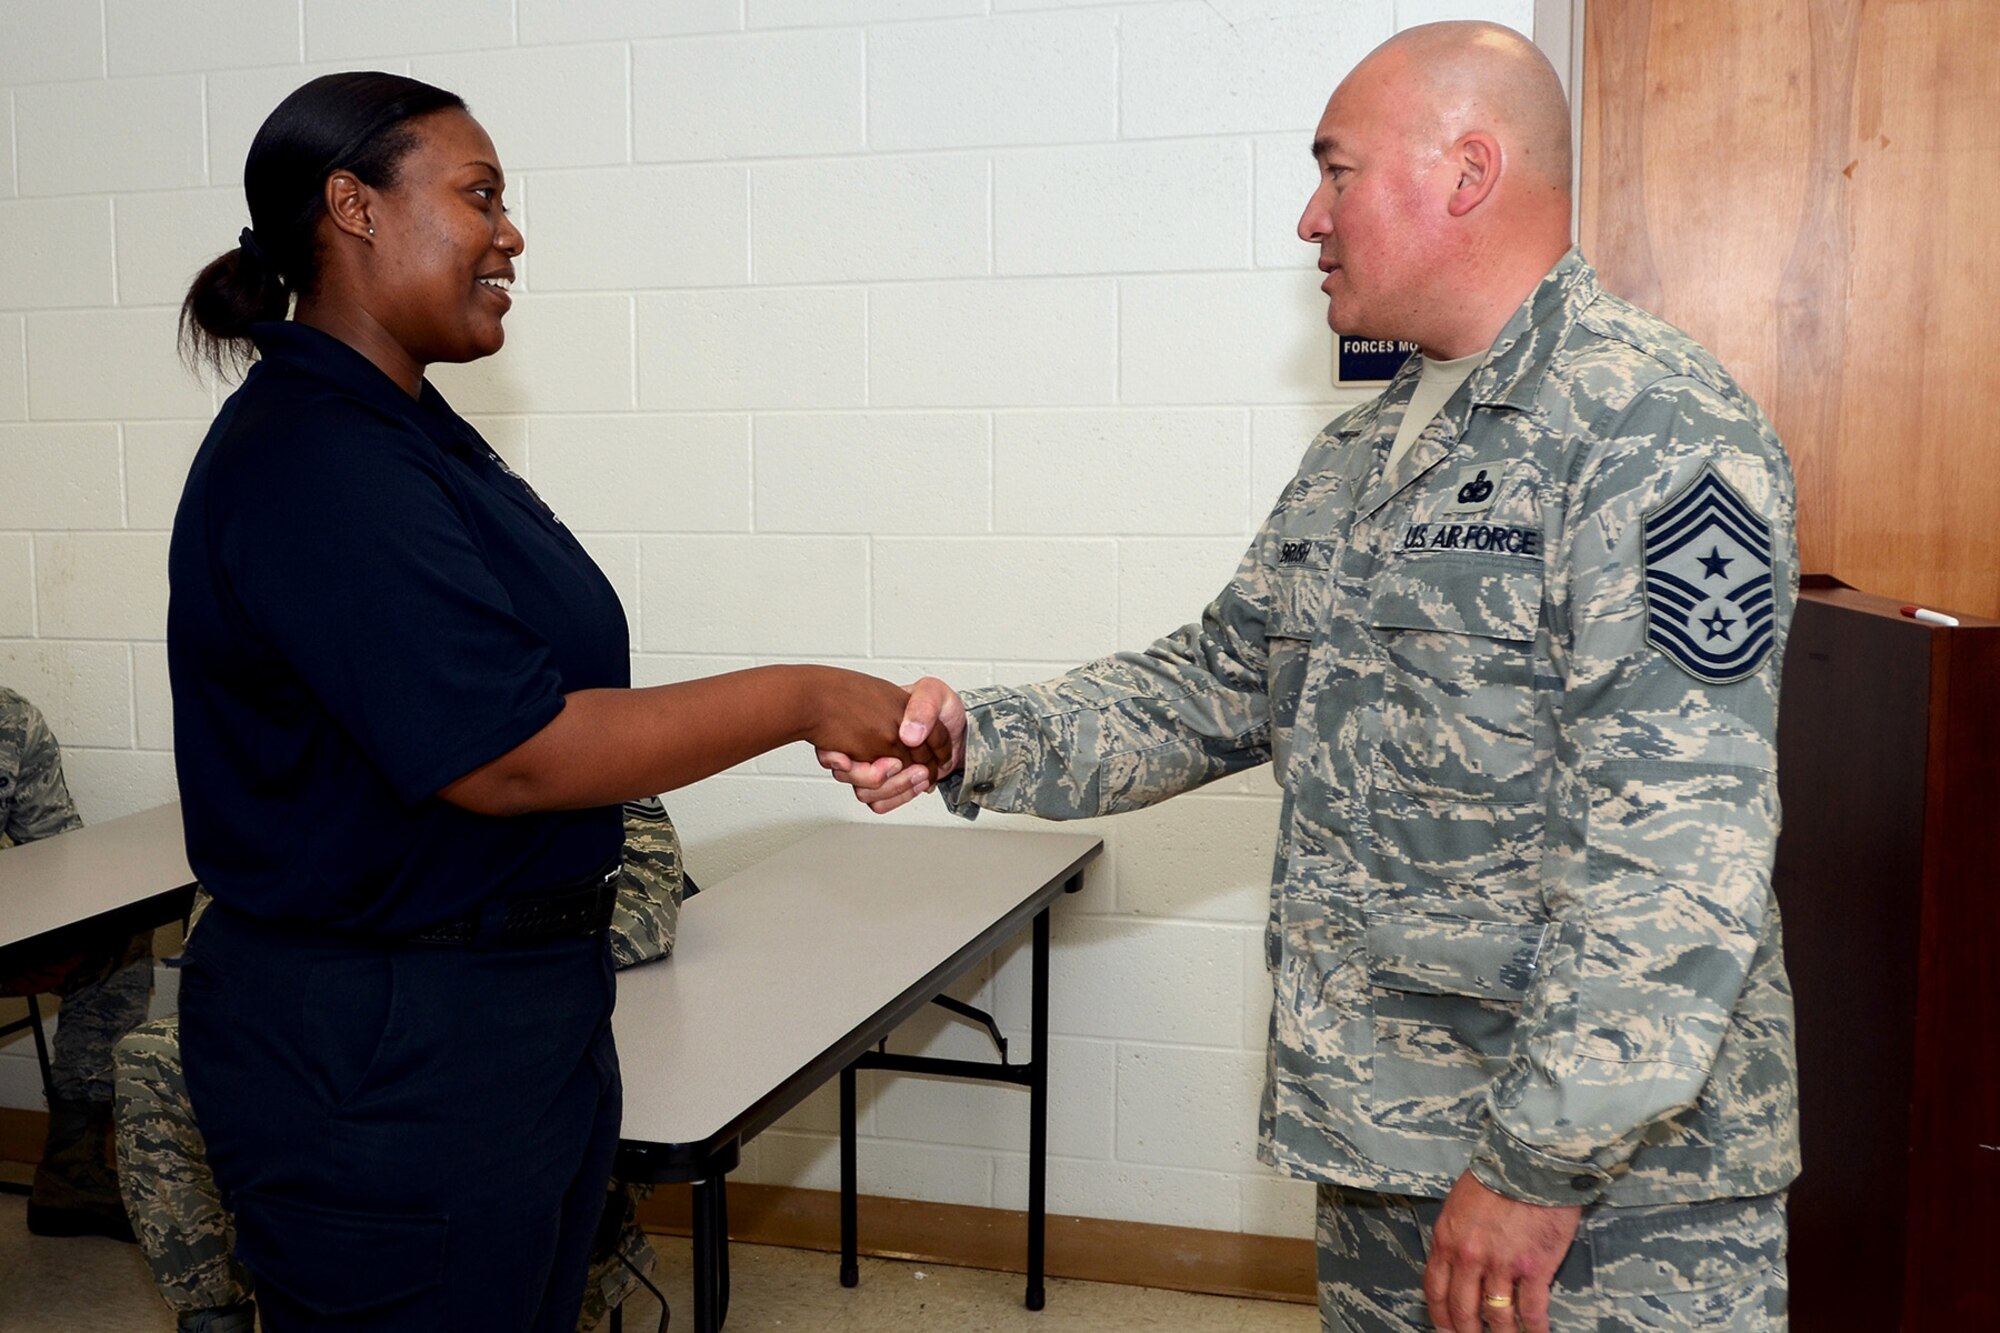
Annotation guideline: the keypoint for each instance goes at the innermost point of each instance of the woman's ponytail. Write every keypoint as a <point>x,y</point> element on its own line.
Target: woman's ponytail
<point>236,290</point>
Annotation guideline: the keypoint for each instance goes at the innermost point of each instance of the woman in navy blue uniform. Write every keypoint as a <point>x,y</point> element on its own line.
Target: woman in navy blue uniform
<point>403,729</point>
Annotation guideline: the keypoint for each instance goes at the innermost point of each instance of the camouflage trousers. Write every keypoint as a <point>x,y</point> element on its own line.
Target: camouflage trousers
<point>104,995</point>
<point>177,1212</point>
<point>1715,1266</point>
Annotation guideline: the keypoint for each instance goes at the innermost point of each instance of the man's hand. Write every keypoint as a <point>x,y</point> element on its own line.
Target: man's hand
<point>1487,1244</point>
<point>885,783</point>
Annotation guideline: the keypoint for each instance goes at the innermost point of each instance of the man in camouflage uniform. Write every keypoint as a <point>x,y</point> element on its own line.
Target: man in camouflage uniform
<point>187,1234</point>
<point>104,989</point>
<point>1519,682</point>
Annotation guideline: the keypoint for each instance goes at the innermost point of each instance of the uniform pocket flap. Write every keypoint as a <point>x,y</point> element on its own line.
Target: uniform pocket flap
<point>1681,1260</point>
<point>1452,595</point>
<point>1298,601</point>
<point>1431,955</point>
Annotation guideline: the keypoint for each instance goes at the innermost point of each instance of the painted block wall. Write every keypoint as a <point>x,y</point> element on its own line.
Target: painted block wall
<point>954,336</point>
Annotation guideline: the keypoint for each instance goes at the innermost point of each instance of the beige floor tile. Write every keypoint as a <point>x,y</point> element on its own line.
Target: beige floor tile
<point>68,1286</point>
<point>65,1286</point>
<point>784,1291</point>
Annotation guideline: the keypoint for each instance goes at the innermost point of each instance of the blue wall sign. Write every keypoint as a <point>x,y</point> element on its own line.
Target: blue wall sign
<point>1369,360</point>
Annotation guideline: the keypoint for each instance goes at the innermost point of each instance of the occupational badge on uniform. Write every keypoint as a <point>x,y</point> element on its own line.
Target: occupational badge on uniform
<point>1708,578</point>
<point>1473,490</point>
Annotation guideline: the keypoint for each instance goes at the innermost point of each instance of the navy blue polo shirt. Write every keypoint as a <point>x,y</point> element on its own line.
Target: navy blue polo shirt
<point>366,605</point>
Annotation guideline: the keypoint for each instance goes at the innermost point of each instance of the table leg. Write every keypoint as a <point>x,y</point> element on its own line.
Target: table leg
<point>1038,1111</point>
<point>722,1249</point>
<point>41,1047</point>
<point>710,1244</point>
<point>850,1268</point>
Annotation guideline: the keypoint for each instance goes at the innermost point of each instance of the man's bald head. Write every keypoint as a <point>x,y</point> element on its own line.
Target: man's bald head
<point>1444,192</point>
<point>1472,76</point>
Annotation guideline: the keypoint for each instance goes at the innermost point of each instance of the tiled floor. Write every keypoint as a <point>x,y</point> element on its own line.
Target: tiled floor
<point>69,1286</point>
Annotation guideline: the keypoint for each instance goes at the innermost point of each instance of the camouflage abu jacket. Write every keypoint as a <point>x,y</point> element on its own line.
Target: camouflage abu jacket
<point>34,800</point>
<point>1521,697</point>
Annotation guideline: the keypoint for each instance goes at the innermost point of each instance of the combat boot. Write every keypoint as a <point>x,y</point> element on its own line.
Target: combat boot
<point>76,1183</point>
<point>234,1319</point>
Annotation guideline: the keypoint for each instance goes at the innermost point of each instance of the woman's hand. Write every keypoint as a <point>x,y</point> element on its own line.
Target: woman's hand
<point>935,712</point>
<point>860,715</point>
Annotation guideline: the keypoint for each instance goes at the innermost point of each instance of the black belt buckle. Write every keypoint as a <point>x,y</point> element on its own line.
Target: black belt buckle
<point>459,930</point>
<point>573,912</point>
<point>533,918</point>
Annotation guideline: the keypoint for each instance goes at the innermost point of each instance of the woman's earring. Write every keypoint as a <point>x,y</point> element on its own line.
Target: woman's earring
<point>371,231</point>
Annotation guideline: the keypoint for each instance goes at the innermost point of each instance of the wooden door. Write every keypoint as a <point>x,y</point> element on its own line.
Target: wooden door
<point>1810,188</point>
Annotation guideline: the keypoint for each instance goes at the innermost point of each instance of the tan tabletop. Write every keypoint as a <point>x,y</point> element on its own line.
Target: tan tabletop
<point>786,971</point>
<point>135,865</point>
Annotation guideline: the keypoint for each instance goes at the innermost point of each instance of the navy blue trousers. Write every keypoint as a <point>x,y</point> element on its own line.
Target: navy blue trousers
<point>411,1138</point>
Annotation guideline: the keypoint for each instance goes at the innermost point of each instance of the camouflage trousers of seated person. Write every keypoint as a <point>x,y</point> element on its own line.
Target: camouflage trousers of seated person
<point>104,992</point>
<point>1715,1265</point>
<point>163,1172</point>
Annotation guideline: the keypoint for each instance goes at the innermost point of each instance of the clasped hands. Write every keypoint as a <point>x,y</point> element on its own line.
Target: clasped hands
<point>932,728</point>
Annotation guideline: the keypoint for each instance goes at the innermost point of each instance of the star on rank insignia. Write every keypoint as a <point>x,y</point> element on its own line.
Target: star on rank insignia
<point>1708,565</point>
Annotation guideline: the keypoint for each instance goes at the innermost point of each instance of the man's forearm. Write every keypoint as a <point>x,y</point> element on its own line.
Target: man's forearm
<point>1116,734</point>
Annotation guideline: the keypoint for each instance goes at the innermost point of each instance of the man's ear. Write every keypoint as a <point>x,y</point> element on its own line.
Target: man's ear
<point>1477,156</point>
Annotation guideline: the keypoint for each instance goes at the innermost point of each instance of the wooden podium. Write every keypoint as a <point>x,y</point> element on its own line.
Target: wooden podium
<point>1888,875</point>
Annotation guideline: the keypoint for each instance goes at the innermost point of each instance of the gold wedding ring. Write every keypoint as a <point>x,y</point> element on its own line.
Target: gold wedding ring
<point>1498,1302</point>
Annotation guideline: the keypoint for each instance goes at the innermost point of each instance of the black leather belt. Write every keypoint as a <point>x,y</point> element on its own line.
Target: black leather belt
<point>571,912</point>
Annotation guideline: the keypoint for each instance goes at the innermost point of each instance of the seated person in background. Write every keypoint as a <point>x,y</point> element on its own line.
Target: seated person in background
<point>171,1196</point>
<point>104,989</point>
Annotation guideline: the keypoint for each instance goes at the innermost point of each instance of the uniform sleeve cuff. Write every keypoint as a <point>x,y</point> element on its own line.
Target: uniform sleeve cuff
<point>1506,1165</point>
<point>986,762</point>
<point>952,789</point>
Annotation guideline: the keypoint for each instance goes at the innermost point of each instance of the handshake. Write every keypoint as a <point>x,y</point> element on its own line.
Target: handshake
<point>928,745</point>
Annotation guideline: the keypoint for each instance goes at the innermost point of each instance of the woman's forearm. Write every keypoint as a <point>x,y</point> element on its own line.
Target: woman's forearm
<point>611,745</point>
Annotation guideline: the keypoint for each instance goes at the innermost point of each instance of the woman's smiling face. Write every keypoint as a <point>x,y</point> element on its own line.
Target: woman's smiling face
<point>443,246</point>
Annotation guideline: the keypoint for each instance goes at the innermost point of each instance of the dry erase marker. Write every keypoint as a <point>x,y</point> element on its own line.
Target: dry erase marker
<point>1929,617</point>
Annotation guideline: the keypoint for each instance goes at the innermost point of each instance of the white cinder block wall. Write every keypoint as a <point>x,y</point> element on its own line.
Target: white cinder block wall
<point>965,336</point>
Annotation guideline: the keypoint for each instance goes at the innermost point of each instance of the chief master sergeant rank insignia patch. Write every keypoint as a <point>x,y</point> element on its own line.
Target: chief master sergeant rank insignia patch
<point>1708,570</point>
